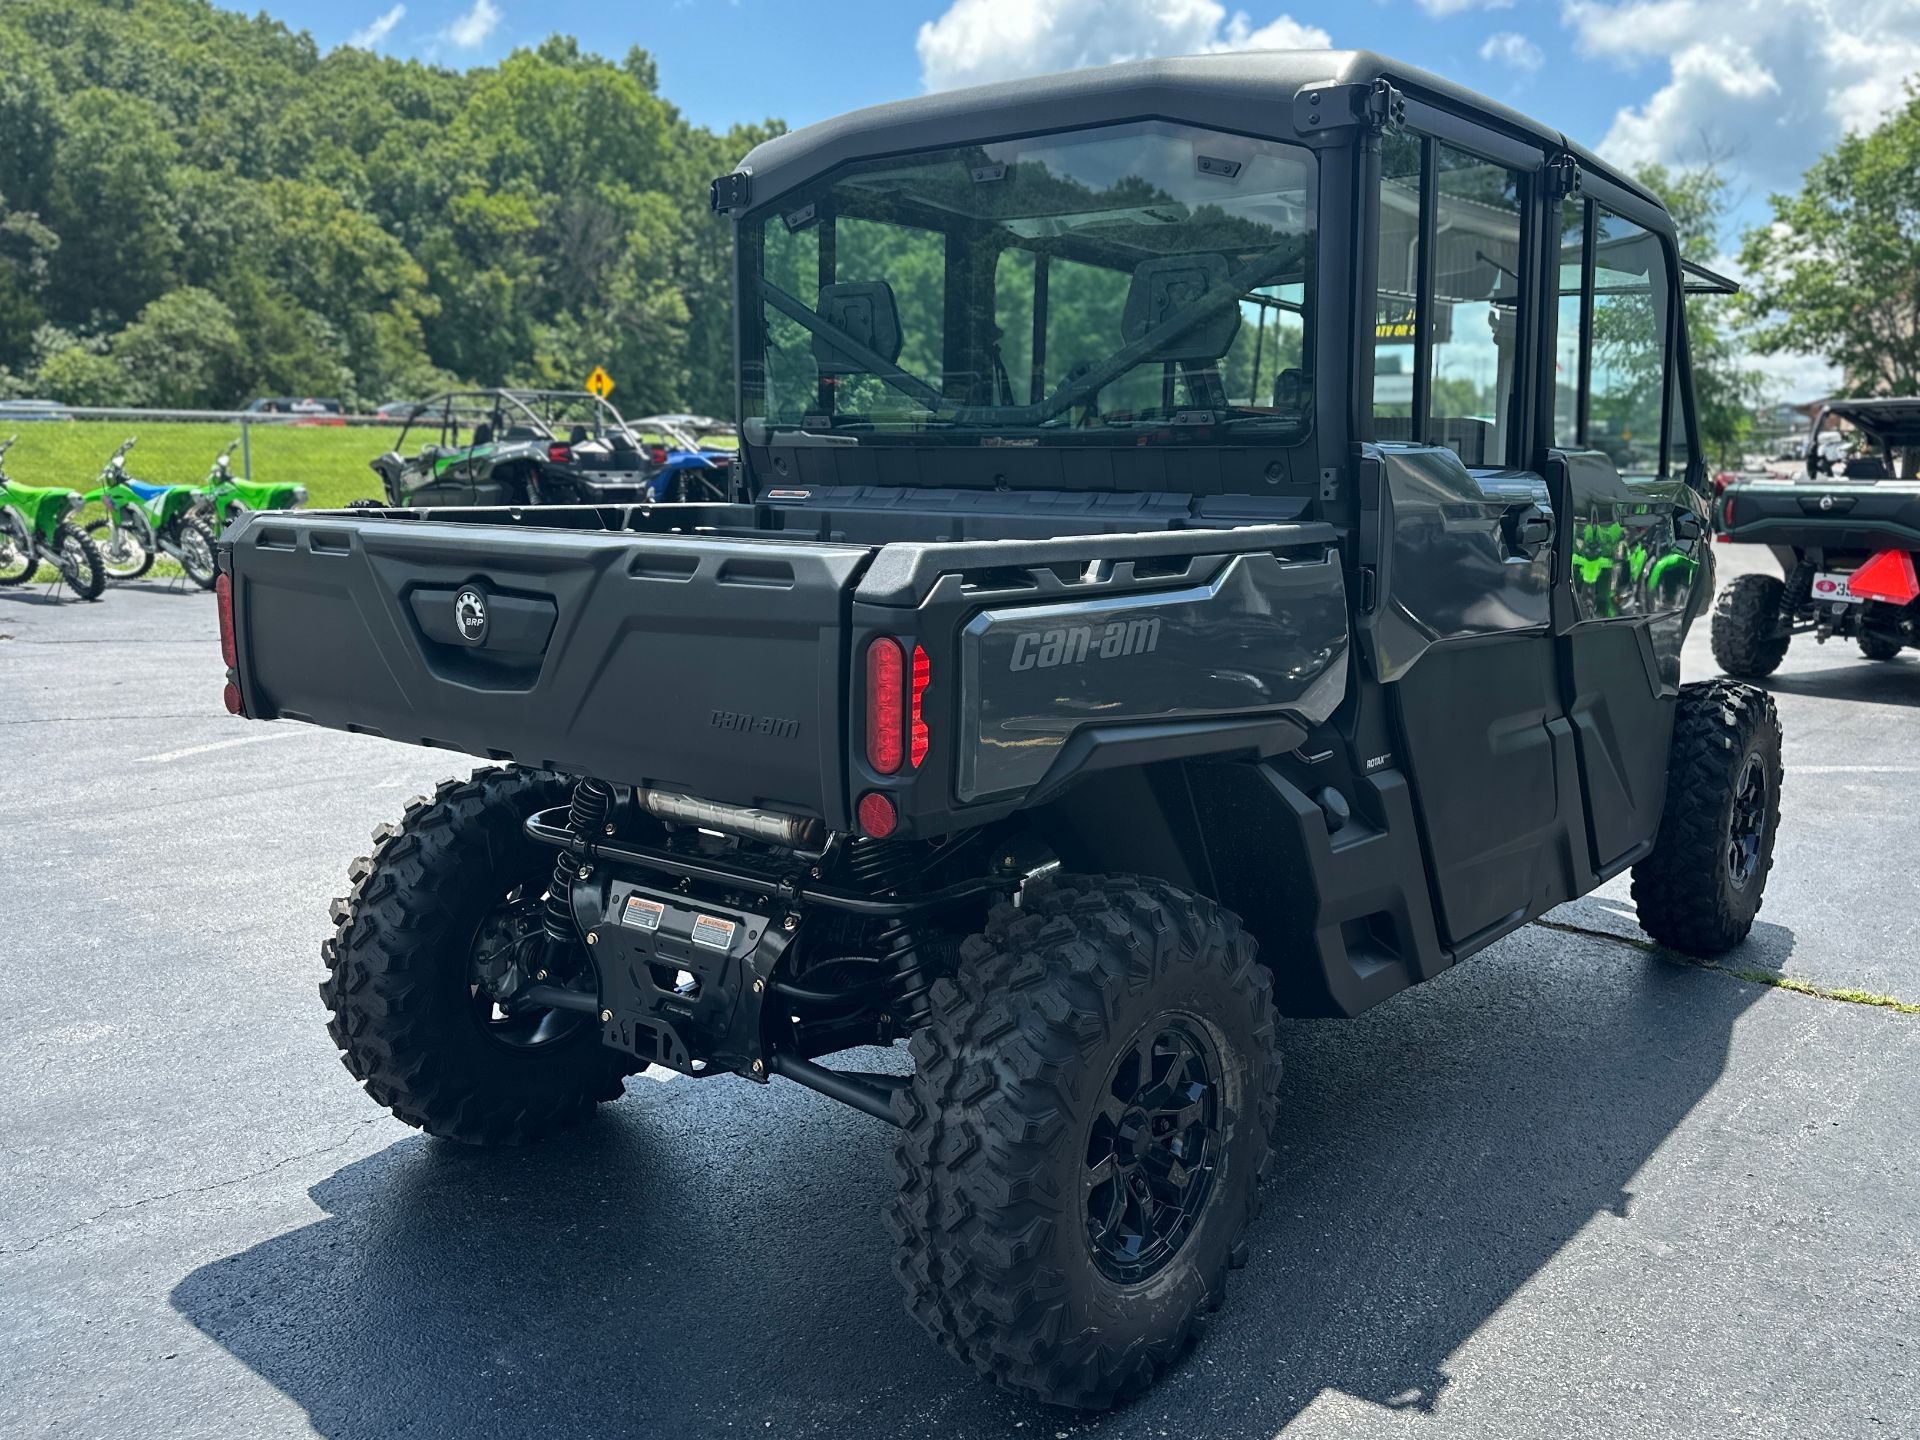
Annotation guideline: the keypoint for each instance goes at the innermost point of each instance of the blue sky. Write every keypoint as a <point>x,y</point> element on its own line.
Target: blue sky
<point>1760,86</point>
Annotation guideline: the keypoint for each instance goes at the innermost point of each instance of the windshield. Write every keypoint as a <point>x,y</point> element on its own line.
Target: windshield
<point>1148,277</point>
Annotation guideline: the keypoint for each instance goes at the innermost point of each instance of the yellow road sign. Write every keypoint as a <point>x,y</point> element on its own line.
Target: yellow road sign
<point>600,382</point>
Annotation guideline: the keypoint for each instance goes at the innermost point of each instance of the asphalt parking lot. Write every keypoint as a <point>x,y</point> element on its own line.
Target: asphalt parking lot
<point>1572,1188</point>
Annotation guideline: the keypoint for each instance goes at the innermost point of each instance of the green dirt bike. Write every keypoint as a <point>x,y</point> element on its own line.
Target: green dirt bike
<point>34,527</point>
<point>144,521</point>
<point>223,498</point>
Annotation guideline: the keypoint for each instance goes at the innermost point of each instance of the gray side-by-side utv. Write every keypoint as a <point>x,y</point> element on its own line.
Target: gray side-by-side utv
<point>1216,541</point>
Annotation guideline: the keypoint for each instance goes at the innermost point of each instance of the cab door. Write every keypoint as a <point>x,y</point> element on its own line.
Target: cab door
<point>1632,561</point>
<point>1460,631</point>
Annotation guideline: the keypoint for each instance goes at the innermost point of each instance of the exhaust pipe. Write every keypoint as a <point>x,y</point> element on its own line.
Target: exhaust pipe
<point>795,832</point>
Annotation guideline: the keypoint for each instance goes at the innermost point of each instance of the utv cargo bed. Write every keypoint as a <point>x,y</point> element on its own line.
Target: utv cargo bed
<point>722,666</point>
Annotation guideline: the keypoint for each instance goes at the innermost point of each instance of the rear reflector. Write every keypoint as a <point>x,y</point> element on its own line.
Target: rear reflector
<point>223,597</point>
<point>230,697</point>
<point>886,705</point>
<point>877,815</point>
<point>560,454</point>
<point>917,734</point>
<point>1887,576</point>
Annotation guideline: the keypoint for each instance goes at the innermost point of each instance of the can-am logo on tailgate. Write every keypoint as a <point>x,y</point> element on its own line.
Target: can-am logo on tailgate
<point>741,723</point>
<point>1073,644</point>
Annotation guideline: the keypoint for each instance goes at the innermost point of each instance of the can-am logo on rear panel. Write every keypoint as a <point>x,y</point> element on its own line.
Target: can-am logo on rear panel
<point>470,615</point>
<point>1074,644</point>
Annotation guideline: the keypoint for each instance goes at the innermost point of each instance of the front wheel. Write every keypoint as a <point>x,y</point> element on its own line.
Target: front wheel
<point>1749,638</point>
<point>1084,1134</point>
<point>126,547</point>
<point>196,552</point>
<point>442,926</point>
<point>1699,889</point>
<point>80,564</point>
<point>17,560</point>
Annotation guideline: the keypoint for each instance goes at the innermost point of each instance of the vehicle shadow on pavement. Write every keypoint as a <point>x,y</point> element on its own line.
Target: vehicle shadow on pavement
<point>1873,682</point>
<point>704,1261</point>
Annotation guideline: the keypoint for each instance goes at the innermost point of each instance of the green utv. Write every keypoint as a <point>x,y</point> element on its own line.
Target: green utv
<point>1154,614</point>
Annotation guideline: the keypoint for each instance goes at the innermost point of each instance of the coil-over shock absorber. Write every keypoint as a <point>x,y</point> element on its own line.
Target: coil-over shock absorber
<point>883,865</point>
<point>587,818</point>
<point>1798,591</point>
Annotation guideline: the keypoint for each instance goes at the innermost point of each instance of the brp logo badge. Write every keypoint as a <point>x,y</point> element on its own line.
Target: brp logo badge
<point>470,616</point>
<point>1826,502</point>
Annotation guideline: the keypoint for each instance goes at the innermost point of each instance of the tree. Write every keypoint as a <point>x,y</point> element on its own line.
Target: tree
<point>1837,270</point>
<point>182,353</point>
<point>1725,389</point>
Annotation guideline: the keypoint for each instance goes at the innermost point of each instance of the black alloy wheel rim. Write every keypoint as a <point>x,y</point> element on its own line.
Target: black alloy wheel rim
<point>193,546</point>
<point>512,939</point>
<point>1749,825</point>
<point>1153,1149</point>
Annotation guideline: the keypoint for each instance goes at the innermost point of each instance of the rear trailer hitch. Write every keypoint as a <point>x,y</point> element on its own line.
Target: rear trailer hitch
<point>687,949</point>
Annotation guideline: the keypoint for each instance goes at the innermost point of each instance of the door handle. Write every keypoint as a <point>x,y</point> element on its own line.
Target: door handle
<point>1527,529</point>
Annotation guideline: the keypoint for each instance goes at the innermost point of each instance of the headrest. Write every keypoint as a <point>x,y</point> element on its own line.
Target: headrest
<point>864,311</point>
<point>1165,286</point>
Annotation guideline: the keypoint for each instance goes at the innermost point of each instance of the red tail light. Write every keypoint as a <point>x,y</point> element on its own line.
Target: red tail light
<point>917,724</point>
<point>560,454</point>
<point>886,705</point>
<point>223,596</point>
<point>658,454</point>
<point>1726,513</point>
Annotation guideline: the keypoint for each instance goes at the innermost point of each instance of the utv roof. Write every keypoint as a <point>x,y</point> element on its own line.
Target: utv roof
<point>1890,421</point>
<point>1227,92</point>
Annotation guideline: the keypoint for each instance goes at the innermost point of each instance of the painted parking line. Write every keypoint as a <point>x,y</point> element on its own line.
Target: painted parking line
<point>1853,769</point>
<point>191,750</point>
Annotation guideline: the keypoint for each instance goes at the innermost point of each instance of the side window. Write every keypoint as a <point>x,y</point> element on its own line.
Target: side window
<point>1476,306</point>
<point>913,262</point>
<point>1448,314</point>
<point>1566,333</point>
<point>1628,359</point>
<point>1398,272</point>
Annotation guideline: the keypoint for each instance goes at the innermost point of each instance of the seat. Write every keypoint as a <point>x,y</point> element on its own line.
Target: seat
<point>146,491</point>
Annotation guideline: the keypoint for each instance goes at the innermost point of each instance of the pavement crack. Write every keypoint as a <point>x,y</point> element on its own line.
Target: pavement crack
<point>230,1182</point>
<point>1843,994</point>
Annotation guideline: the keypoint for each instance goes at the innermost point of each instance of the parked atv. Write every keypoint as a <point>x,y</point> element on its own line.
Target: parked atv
<point>1846,544</point>
<point>144,521</point>
<point>34,527</point>
<point>1066,714</point>
<point>223,497</point>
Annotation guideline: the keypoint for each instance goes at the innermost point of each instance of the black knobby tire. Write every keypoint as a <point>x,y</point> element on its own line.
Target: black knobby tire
<point>996,1252</point>
<point>1748,640</point>
<point>197,563</point>
<point>84,573</point>
<point>1879,647</point>
<point>1690,891</point>
<point>404,1014</point>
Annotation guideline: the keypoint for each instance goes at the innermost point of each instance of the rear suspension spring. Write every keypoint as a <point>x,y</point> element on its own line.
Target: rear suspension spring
<point>1798,592</point>
<point>910,978</point>
<point>587,818</point>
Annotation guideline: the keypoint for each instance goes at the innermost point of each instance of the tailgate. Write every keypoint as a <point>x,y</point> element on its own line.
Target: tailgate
<point>1835,515</point>
<point>685,662</point>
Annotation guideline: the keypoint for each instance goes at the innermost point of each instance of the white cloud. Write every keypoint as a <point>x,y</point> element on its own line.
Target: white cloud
<point>1764,85</point>
<point>1440,9</point>
<point>377,29</point>
<point>1509,47</point>
<point>471,30</point>
<point>975,41</point>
